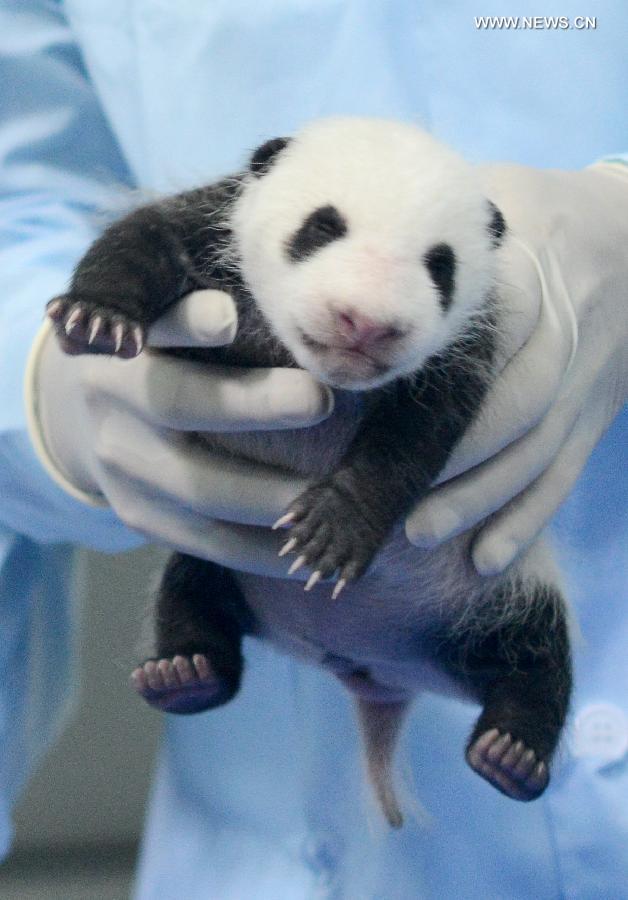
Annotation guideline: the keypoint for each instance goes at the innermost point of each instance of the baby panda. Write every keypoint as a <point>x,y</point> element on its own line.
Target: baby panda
<point>365,252</point>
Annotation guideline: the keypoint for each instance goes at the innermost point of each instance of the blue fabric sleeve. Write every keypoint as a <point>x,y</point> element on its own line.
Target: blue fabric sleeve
<point>59,168</point>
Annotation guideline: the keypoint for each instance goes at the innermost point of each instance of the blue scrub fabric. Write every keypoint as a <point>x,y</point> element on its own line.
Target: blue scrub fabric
<point>264,799</point>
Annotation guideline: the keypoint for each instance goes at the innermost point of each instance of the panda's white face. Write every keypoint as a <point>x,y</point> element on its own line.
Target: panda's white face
<point>367,246</point>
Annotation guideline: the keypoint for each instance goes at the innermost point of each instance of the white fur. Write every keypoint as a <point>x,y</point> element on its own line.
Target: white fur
<point>401,192</point>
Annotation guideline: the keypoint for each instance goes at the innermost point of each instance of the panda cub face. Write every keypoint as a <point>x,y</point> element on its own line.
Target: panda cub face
<point>367,245</point>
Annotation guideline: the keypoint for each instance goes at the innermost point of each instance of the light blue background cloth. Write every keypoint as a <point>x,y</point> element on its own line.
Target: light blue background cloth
<point>264,799</point>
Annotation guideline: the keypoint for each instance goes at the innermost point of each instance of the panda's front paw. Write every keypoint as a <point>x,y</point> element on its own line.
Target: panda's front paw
<point>330,534</point>
<point>84,326</point>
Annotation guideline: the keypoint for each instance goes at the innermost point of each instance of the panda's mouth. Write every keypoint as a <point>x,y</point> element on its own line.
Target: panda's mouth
<point>346,362</point>
<point>359,357</point>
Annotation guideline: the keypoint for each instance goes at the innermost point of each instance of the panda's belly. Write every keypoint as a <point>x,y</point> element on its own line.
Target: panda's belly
<point>379,623</point>
<point>313,451</point>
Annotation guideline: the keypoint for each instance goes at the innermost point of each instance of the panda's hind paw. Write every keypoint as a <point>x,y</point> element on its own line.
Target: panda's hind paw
<point>183,684</point>
<point>509,765</point>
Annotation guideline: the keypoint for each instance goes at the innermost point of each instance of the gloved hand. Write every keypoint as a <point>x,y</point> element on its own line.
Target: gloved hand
<point>565,264</point>
<point>112,431</point>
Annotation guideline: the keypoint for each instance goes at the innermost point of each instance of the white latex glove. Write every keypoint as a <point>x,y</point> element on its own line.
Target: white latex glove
<point>567,266</point>
<point>112,431</point>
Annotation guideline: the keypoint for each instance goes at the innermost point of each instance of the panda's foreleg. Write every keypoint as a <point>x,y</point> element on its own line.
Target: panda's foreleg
<point>200,619</point>
<point>521,672</point>
<point>339,523</point>
<point>137,269</point>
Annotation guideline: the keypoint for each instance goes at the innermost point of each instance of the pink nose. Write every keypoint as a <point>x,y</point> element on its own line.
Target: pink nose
<point>357,330</point>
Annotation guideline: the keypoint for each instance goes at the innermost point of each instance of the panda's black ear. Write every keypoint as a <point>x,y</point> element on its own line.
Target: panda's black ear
<point>496,225</point>
<point>263,157</point>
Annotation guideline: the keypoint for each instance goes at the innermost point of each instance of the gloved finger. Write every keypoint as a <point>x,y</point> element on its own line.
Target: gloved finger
<point>527,386</point>
<point>242,547</point>
<point>464,501</point>
<point>170,467</point>
<point>514,528</point>
<point>192,396</point>
<point>206,318</point>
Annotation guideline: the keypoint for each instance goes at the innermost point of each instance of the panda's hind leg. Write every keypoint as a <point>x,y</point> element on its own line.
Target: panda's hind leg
<point>200,618</point>
<point>521,671</point>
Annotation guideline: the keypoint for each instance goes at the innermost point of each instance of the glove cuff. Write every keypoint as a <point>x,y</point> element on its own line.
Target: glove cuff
<point>35,430</point>
<point>612,165</point>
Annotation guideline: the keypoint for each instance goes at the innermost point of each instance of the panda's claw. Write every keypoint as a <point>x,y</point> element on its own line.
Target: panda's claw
<point>314,578</point>
<point>84,326</point>
<point>283,520</point>
<point>297,564</point>
<point>95,329</point>
<point>54,308</point>
<point>288,546</point>
<point>117,332</point>
<point>137,335</point>
<point>74,319</point>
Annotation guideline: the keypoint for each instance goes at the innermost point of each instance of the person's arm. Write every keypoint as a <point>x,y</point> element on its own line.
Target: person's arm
<point>59,163</point>
<point>60,166</point>
<point>559,393</point>
<point>52,139</point>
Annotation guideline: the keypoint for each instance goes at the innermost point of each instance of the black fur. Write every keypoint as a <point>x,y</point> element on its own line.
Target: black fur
<point>161,252</point>
<point>265,155</point>
<point>441,264</point>
<point>497,225</point>
<point>200,609</point>
<point>520,671</point>
<point>321,227</point>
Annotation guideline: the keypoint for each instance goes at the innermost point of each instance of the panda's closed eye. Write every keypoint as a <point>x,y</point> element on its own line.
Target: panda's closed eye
<point>440,261</point>
<point>321,227</point>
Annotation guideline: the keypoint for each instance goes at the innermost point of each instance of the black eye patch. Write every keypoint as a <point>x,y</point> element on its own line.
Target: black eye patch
<point>440,261</point>
<point>321,227</point>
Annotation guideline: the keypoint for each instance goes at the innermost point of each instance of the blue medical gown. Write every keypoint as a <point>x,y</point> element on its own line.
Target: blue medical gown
<point>264,799</point>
